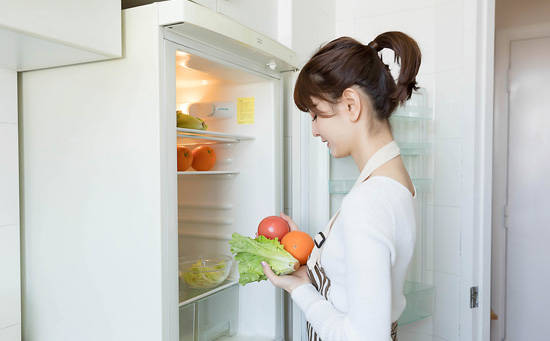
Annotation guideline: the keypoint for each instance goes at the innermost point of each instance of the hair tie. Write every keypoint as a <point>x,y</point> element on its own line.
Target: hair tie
<point>374,45</point>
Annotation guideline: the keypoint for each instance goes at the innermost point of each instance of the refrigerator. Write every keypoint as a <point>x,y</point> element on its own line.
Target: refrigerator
<point>106,215</point>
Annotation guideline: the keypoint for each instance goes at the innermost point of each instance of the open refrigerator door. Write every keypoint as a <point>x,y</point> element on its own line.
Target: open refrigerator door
<point>412,126</point>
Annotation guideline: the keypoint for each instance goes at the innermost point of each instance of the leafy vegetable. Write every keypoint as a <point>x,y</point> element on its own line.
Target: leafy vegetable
<point>199,276</point>
<point>250,252</point>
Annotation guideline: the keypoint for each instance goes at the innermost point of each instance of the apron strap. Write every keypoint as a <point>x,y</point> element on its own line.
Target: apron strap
<point>380,157</point>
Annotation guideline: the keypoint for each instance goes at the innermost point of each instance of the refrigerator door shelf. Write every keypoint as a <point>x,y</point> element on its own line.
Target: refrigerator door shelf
<point>420,302</point>
<point>344,186</point>
<point>413,113</point>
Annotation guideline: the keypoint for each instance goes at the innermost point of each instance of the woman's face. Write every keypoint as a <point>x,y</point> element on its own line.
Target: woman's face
<point>332,124</point>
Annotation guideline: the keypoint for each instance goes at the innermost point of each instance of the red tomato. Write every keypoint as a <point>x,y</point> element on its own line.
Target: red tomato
<point>273,227</point>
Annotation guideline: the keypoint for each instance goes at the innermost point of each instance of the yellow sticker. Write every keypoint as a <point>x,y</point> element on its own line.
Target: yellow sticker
<point>245,110</point>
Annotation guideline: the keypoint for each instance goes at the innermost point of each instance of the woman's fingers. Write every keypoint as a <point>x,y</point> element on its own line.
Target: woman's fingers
<point>269,273</point>
<point>291,223</point>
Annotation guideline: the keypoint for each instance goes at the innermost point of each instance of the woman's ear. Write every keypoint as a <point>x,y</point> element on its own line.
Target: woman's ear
<point>352,103</point>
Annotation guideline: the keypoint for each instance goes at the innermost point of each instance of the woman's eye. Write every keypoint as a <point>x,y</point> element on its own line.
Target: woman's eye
<point>314,118</point>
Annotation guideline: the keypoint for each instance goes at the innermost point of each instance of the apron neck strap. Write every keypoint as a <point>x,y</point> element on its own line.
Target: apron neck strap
<point>380,157</point>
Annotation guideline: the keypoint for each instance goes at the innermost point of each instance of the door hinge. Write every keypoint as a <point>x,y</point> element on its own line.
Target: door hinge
<point>474,303</point>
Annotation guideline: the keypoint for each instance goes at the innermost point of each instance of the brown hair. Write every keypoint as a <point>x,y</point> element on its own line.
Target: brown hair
<point>344,62</point>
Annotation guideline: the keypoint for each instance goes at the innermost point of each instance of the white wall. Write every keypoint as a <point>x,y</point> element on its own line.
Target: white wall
<point>10,293</point>
<point>441,27</point>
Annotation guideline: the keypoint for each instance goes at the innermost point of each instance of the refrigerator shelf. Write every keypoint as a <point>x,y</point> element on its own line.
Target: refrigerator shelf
<point>227,173</point>
<point>344,186</point>
<point>212,136</point>
<point>420,302</point>
<point>190,295</point>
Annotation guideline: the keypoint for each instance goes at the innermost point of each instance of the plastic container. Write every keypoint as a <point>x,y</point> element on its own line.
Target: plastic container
<point>204,271</point>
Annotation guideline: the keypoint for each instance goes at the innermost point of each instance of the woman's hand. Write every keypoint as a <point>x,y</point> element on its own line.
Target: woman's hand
<point>291,223</point>
<point>287,282</point>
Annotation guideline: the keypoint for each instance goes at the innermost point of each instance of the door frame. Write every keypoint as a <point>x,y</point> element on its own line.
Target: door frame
<point>479,29</point>
<point>504,39</point>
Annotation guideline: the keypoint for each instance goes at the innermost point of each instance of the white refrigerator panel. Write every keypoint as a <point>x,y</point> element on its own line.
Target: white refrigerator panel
<point>91,218</point>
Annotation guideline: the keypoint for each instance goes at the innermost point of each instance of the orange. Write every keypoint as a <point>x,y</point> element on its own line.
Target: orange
<point>204,158</point>
<point>185,158</point>
<point>299,244</point>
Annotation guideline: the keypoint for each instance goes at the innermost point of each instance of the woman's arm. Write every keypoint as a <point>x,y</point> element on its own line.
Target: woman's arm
<point>368,233</point>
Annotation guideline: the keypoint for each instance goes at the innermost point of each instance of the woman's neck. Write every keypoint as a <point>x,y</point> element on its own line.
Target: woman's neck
<point>369,144</point>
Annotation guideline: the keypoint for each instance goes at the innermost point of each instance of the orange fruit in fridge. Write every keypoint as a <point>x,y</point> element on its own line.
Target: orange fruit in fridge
<point>204,158</point>
<point>299,244</point>
<point>185,158</point>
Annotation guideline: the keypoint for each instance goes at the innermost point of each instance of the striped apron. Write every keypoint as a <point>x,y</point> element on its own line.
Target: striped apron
<point>315,271</point>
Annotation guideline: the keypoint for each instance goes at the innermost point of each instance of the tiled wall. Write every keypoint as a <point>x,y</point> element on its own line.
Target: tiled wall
<point>438,27</point>
<point>10,306</point>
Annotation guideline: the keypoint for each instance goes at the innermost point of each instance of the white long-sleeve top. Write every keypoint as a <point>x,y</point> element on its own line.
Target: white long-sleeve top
<point>366,257</point>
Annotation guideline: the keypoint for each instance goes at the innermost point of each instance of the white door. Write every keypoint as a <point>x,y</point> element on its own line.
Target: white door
<point>528,239</point>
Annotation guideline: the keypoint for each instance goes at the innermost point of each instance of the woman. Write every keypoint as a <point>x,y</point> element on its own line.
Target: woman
<point>355,290</point>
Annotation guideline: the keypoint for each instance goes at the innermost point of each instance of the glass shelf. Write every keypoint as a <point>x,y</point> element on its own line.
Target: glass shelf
<point>420,302</point>
<point>229,173</point>
<point>190,136</point>
<point>413,113</point>
<point>189,295</point>
<point>413,148</point>
<point>344,186</point>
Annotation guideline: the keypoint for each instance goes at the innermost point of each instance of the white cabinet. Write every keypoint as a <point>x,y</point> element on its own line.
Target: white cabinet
<point>37,34</point>
<point>261,16</point>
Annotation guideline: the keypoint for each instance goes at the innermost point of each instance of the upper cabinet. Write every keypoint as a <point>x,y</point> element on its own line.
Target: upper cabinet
<point>36,34</point>
<point>261,16</point>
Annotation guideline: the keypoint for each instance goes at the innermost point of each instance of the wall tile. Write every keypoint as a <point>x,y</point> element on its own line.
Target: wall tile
<point>446,310</point>
<point>311,28</point>
<point>449,107</point>
<point>9,174</point>
<point>447,240</point>
<point>448,173</point>
<point>344,10</point>
<point>8,96</point>
<point>449,35</point>
<point>371,8</point>
<point>345,28</point>
<point>10,292</point>
<point>419,24</point>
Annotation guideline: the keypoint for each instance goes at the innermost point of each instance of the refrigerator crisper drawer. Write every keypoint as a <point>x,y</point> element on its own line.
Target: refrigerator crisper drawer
<point>187,322</point>
<point>212,317</point>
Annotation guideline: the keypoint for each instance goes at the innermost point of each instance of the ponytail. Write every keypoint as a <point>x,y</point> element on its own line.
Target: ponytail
<point>407,55</point>
<point>345,62</point>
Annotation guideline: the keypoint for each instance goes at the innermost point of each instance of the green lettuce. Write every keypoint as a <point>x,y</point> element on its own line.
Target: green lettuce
<point>249,252</point>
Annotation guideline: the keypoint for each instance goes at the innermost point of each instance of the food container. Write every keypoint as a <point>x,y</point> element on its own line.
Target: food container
<point>203,272</point>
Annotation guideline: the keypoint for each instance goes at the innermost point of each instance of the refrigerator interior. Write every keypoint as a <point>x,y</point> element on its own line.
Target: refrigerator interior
<point>412,126</point>
<point>243,187</point>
